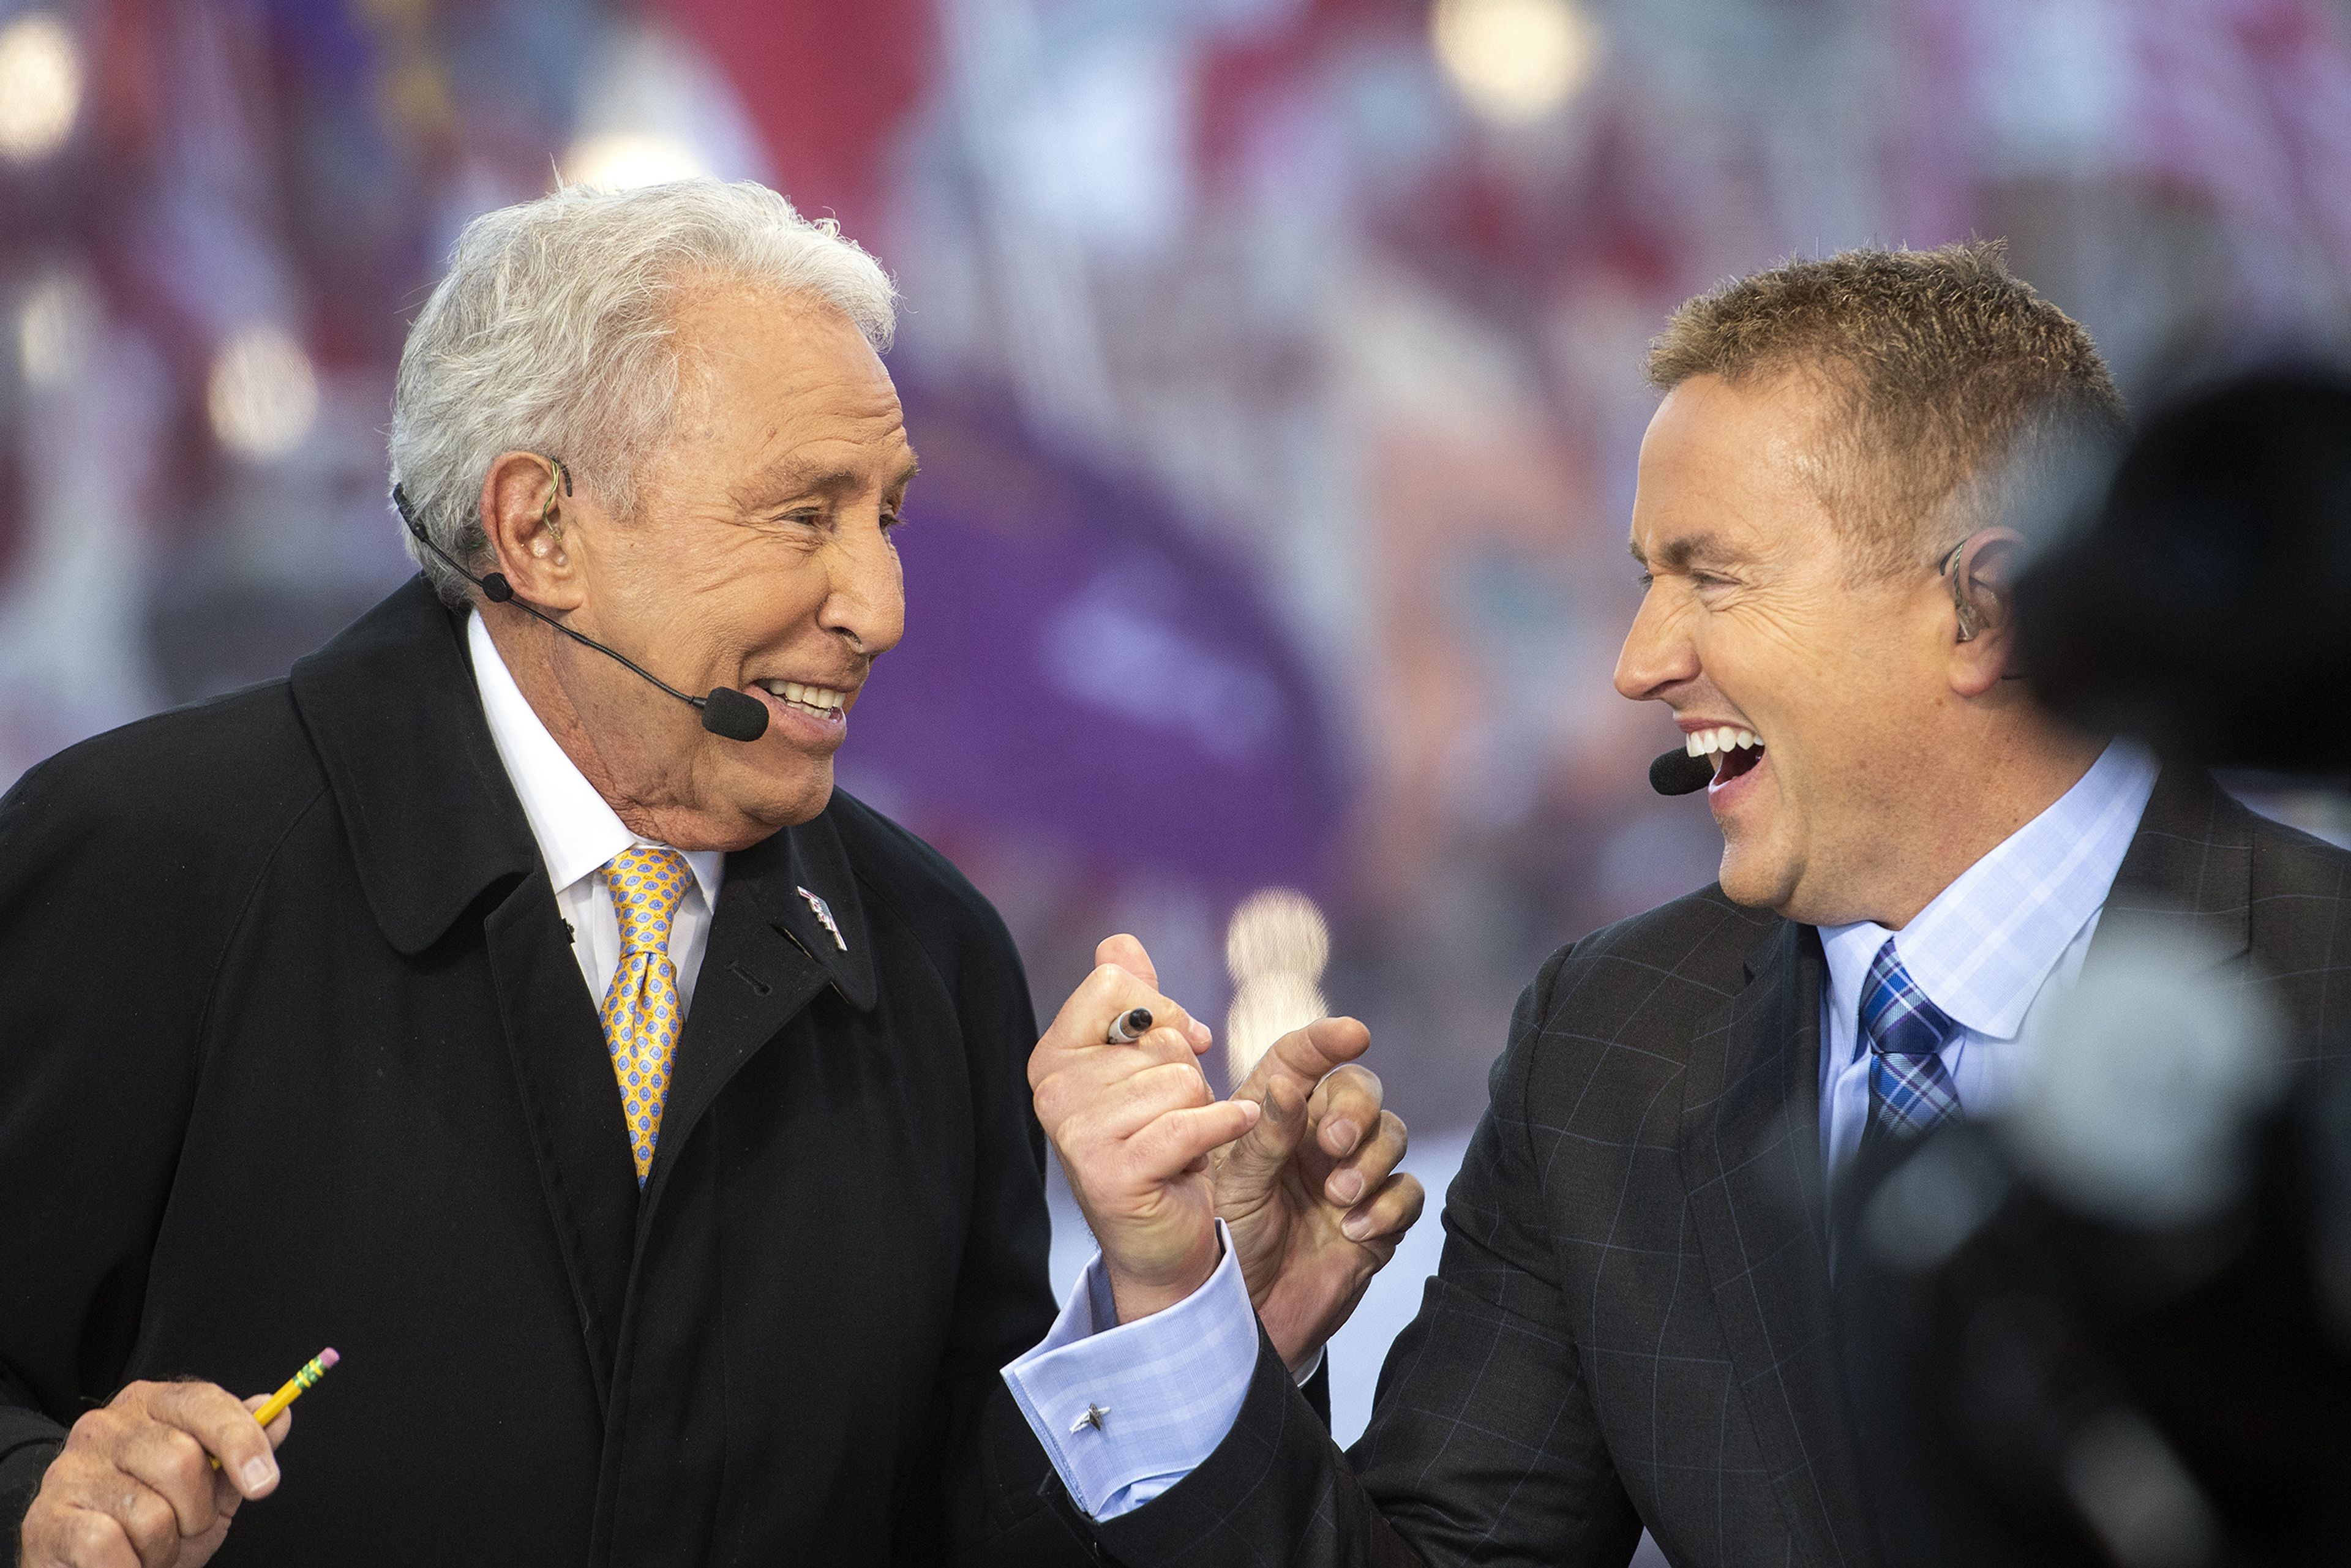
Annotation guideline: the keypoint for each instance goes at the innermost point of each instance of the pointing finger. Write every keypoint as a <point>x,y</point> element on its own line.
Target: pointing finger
<point>1170,1145</point>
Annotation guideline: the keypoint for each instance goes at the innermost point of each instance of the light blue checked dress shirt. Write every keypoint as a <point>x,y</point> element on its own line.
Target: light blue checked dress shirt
<point>1986,951</point>
<point>1168,1386</point>
<point>1994,950</point>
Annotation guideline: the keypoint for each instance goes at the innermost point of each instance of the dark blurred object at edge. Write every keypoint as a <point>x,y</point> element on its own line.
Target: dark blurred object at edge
<point>2113,1325</point>
<point>2205,603</point>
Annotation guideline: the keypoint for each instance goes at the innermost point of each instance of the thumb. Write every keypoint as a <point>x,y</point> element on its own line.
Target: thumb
<point>1304,1056</point>
<point>1127,953</point>
<point>1254,1163</point>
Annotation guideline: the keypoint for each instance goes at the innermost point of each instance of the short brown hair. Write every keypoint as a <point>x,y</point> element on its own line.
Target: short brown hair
<point>1954,373</point>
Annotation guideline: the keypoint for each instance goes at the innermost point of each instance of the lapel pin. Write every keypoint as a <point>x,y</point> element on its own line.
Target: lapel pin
<point>824,914</point>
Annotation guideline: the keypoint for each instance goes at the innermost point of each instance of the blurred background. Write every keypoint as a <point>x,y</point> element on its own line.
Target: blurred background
<point>1275,366</point>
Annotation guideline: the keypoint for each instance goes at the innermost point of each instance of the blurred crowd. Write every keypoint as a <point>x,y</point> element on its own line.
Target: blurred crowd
<point>1275,366</point>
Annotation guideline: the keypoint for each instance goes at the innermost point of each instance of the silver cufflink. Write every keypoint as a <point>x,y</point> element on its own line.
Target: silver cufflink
<point>1092,1417</point>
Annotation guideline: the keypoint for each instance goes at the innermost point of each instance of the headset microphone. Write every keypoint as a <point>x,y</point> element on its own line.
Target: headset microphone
<point>1677,772</point>
<point>725,712</point>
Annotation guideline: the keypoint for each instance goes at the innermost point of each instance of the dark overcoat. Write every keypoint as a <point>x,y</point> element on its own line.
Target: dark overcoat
<point>295,1053</point>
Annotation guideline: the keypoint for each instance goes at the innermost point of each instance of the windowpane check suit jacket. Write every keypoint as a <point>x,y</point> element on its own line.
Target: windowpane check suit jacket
<point>1631,1323</point>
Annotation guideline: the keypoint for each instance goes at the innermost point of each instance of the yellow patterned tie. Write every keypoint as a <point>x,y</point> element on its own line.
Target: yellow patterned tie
<point>642,1011</point>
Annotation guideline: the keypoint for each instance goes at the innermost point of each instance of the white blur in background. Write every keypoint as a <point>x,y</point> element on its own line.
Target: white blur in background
<point>1275,948</point>
<point>262,396</point>
<point>40,87</point>
<point>1515,60</point>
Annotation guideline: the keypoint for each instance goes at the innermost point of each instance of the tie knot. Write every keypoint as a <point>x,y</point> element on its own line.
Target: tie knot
<point>1896,1017</point>
<point>647,886</point>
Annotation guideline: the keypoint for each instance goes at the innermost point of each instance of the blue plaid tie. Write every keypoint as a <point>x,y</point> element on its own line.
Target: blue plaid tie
<point>1909,1091</point>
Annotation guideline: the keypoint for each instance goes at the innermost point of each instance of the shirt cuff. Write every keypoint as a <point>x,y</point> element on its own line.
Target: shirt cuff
<point>1127,1410</point>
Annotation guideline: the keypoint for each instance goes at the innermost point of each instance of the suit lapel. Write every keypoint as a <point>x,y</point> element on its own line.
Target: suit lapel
<point>1751,1138</point>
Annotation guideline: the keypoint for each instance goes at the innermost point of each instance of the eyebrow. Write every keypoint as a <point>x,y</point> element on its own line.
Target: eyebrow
<point>1677,552</point>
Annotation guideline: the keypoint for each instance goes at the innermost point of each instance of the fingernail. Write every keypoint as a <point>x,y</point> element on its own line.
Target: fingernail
<point>1342,1136</point>
<point>1348,1184</point>
<point>257,1474</point>
<point>1356,1227</point>
<point>1200,1035</point>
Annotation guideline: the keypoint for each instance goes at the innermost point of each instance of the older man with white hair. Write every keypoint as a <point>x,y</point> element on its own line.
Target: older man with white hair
<point>509,1001</point>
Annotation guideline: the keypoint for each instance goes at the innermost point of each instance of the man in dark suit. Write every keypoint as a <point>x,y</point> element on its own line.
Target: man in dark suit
<point>640,1118</point>
<point>1631,1323</point>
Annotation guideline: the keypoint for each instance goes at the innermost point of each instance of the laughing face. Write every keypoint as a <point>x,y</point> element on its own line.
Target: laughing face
<point>1818,692</point>
<point>759,557</point>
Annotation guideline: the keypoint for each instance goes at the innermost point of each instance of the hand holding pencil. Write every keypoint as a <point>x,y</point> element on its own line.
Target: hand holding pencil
<point>156,1476</point>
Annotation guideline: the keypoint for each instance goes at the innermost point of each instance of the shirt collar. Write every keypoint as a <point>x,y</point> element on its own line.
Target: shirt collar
<point>1984,946</point>
<point>578,831</point>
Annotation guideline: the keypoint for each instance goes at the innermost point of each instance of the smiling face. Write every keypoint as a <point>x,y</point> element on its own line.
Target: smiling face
<point>759,557</point>
<point>1753,623</point>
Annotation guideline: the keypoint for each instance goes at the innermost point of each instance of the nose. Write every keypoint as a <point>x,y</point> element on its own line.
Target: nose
<point>1657,651</point>
<point>867,603</point>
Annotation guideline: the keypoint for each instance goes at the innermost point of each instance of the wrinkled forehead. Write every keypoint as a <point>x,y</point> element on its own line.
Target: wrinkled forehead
<point>778,388</point>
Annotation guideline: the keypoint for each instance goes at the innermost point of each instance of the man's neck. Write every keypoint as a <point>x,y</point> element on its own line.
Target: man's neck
<point>652,813</point>
<point>2004,787</point>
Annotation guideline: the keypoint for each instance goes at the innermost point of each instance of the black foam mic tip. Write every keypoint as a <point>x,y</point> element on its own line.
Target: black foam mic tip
<point>1677,772</point>
<point>734,715</point>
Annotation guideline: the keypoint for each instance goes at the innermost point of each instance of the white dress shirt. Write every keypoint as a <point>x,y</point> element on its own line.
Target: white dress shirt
<point>1994,950</point>
<point>577,834</point>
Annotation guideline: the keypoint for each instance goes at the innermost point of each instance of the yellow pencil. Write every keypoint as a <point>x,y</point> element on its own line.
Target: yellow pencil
<point>315,1369</point>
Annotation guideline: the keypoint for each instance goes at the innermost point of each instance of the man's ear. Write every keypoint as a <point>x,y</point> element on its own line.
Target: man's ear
<point>523,498</point>
<point>1980,573</point>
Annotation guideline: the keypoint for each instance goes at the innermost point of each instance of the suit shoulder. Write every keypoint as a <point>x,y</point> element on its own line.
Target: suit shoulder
<point>2291,861</point>
<point>1700,940</point>
<point>1633,992</point>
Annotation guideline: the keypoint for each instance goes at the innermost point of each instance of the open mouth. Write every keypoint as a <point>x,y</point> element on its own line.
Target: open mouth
<point>1735,751</point>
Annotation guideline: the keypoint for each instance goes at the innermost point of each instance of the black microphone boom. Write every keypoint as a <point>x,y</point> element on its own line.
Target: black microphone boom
<point>725,712</point>
<point>1677,772</point>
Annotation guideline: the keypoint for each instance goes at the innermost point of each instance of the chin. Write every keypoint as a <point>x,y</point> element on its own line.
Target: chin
<point>1755,878</point>
<point>786,800</point>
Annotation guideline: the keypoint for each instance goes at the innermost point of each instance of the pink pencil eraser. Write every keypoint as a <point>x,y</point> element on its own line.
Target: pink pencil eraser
<point>328,1356</point>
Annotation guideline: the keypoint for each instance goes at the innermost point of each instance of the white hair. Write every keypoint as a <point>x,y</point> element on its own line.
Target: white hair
<point>553,333</point>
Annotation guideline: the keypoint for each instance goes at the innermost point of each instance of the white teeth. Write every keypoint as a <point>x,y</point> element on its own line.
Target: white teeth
<point>1721,738</point>
<point>820,697</point>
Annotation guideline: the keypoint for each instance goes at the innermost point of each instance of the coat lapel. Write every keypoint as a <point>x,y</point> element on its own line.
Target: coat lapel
<point>1751,1138</point>
<point>435,831</point>
<point>571,1104</point>
<point>773,949</point>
